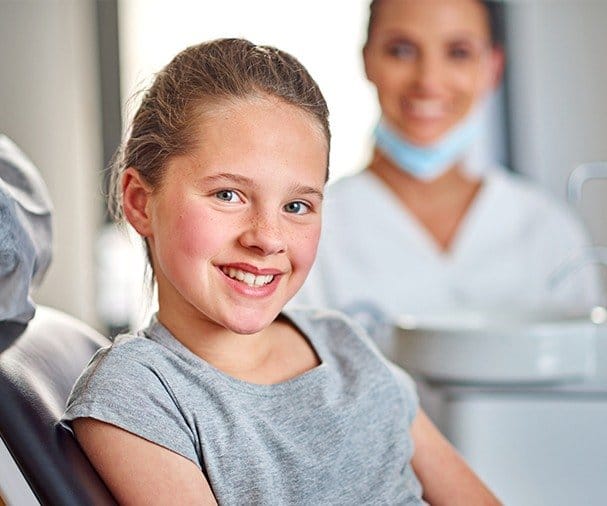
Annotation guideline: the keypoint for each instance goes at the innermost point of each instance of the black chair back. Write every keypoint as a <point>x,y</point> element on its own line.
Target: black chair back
<point>39,363</point>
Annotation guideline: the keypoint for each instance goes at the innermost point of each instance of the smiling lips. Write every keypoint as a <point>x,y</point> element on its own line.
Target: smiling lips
<point>248,278</point>
<point>425,108</point>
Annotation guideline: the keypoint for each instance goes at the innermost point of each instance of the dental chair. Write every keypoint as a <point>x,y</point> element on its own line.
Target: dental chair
<point>39,362</point>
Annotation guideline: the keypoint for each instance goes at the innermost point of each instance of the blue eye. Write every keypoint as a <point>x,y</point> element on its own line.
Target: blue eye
<point>297,207</point>
<point>465,50</point>
<point>402,50</point>
<point>459,53</point>
<point>227,195</point>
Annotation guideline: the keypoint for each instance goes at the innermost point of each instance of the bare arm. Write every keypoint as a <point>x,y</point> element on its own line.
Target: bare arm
<point>139,472</point>
<point>446,479</point>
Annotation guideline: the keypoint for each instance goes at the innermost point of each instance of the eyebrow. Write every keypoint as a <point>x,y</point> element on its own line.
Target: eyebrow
<point>397,34</point>
<point>244,180</point>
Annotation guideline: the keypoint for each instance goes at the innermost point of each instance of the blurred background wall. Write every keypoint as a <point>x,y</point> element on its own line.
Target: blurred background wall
<point>558,99</point>
<point>69,65</point>
<point>49,105</point>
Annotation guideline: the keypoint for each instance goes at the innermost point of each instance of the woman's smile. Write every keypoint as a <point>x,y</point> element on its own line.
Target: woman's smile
<point>431,62</point>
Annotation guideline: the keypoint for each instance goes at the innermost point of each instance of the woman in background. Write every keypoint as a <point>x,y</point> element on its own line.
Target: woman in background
<point>417,231</point>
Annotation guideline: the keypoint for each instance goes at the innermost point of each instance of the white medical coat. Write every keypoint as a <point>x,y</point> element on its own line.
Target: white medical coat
<point>512,240</point>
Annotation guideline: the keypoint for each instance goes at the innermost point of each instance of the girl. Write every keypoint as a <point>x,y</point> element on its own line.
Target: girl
<point>225,397</point>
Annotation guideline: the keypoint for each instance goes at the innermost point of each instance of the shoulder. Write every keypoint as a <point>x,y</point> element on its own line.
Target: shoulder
<point>517,186</point>
<point>325,322</point>
<point>350,188</point>
<point>340,334</point>
<point>133,366</point>
<point>127,351</point>
<point>135,384</point>
<point>349,182</point>
<point>331,328</point>
<point>530,202</point>
<point>353,202</point>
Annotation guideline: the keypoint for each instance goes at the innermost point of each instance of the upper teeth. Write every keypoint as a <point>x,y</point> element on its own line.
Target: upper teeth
<point>248,277</point>
<point>431,108</point>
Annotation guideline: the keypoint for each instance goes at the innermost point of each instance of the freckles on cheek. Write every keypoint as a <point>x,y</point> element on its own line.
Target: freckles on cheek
<point>201,234</point>
<point>308,244</point>
<point>189,233</point>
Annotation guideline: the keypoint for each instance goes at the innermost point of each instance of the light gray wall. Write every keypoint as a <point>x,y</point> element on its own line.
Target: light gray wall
<point>49,107</point>
<point>558,97</point>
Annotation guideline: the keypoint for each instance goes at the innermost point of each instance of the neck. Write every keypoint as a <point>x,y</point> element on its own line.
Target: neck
<point>224,349</point>
<point>438,205</point>
<point>276,354</point>
<point>397,179</point>
<point>432,161</point>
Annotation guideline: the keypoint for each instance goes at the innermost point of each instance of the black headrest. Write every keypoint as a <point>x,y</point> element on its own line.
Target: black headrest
<point>39,363</point>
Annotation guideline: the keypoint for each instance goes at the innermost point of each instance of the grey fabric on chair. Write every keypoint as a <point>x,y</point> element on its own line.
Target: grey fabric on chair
<point>25,232</point>
<point>38,365</point>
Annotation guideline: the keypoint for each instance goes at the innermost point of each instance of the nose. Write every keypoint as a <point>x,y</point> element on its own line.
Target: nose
<point>429,73</point>
<point>263,233</point>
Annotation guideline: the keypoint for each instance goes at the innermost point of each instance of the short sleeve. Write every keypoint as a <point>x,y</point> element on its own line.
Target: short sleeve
<point>121,388</point>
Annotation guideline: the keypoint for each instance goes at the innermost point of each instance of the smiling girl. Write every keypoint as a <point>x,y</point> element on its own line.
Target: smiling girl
<point>225,397</point>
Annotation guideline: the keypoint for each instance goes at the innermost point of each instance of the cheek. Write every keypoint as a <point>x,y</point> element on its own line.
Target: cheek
<point>194,232</point>
<point>470,84</point>
<point>393,81</point>
<point>304,247</point>
<point>386,75</point>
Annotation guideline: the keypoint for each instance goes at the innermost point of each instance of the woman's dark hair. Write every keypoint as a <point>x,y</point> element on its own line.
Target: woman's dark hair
<point>495,16</point>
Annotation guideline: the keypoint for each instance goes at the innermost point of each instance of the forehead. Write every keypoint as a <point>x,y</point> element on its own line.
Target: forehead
<point>432,18</point>
<point>256,132</point>
<point>240,110</point>
<point>233,118</point>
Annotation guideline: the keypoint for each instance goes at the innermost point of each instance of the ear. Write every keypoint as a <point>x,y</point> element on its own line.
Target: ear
<point>368,63</point>
<point>496,67</point>
<point>135,201</point>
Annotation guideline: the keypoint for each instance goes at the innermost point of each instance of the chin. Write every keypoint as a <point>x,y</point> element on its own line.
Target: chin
<point>249,324</point>
<point>246,330</point>
<point>425,139</point>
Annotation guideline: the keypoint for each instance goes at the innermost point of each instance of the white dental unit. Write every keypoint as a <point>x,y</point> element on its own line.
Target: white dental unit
<point>524,399</point>
<point>523,396</point>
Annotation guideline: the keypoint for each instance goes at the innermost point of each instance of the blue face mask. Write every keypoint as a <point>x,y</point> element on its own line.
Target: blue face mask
<point>428,162</point>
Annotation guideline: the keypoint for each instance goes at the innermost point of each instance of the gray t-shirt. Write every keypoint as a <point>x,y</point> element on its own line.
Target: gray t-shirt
<point>337,434</point>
